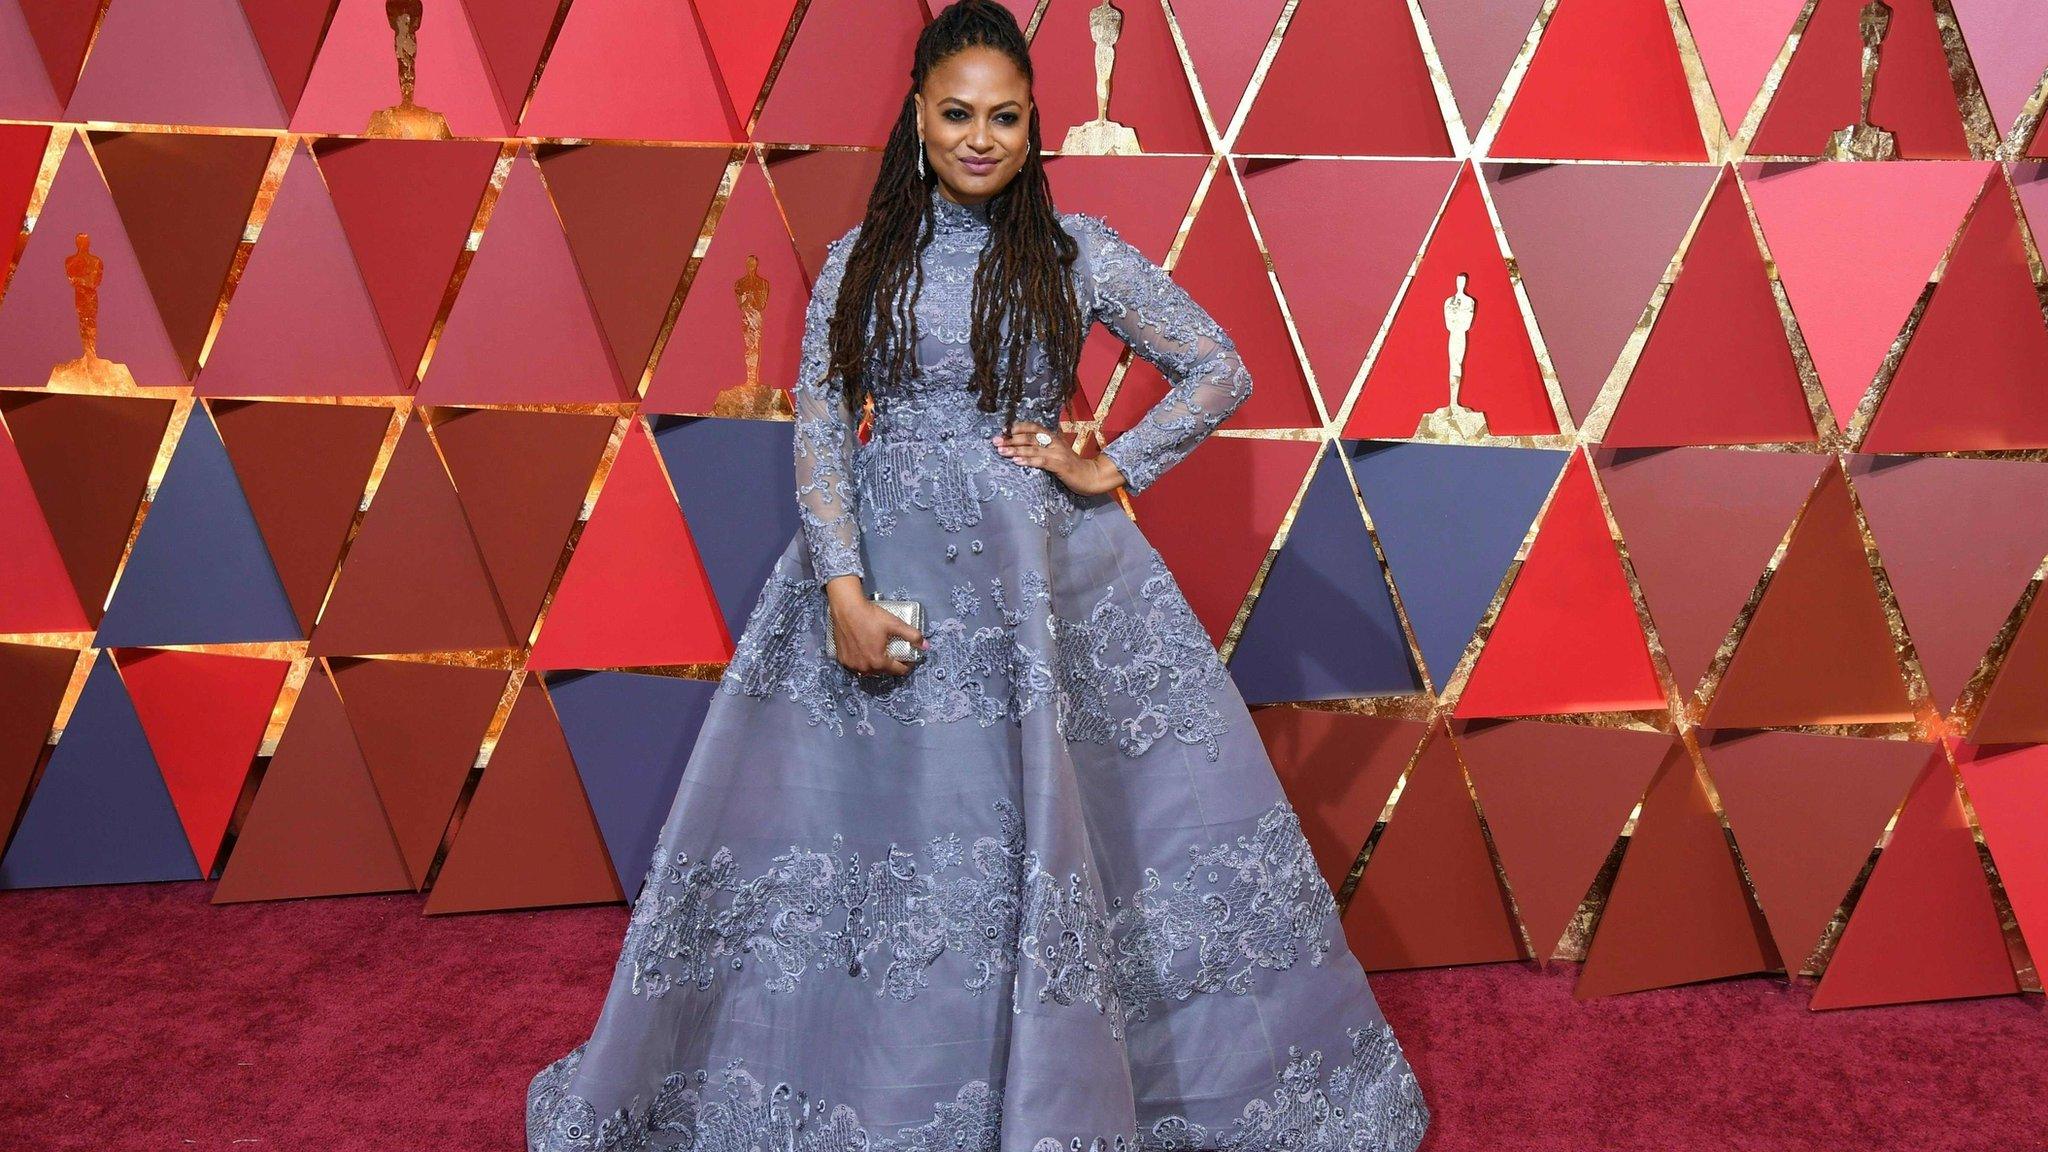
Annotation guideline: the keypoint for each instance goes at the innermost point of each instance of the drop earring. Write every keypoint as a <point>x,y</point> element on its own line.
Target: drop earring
<point>920,158</point>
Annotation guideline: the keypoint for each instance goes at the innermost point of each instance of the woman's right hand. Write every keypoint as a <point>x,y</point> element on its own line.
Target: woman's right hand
<point>862,629</point>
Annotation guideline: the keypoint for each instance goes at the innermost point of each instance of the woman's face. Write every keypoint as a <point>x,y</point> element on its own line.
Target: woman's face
<point>974,113</point>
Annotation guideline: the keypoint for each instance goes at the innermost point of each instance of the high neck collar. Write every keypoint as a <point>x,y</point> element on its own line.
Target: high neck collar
<point>948,216</point>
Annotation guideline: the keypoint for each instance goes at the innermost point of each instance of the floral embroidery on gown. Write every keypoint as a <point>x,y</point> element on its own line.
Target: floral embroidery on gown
<point>1044,892</point>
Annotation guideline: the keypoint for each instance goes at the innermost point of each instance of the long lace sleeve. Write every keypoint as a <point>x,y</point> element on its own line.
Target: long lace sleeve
<point>824,439</point>
<point>1163,325</point>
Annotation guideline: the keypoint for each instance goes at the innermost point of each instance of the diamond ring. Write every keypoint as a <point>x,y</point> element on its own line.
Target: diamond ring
<point>1044,439</point>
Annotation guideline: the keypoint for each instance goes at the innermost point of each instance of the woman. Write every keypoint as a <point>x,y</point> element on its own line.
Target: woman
<point>1039,889</point>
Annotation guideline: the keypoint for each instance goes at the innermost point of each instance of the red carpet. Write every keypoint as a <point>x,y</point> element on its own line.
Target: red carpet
<point>141,1017</point>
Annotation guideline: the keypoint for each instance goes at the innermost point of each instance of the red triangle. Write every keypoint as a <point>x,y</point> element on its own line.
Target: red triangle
<point>840,78</point>
<point>523,477</point>
<point>1817,649</point>
<point>1567,638</point>
<point>62,32</point>
<point>1222,268</point>
<point>706,350</point>
<point>1607,82</point>
<point>40,597</point>
<point>1224,44</point>
<point>1718,367</point>
<point>631,70</point>
<point>300,322</point>
<point>1971,379</point>
<point>633,215</point>
<point>512,37</point>
<point>1430,895</point>
<point>1679,911</point>
<point>745,36</point>
<point>1214,516</point>
<point>316,827</point>
<point>353,76</point>
<point>2016,708</point>
<point>1338,769</point>
<point>635,594</point>
<point>1389,106</point>
<point>303,468</point>
<point>1411,374</point>
<point>33,681</point>
<point>88,459</point>
<point>1144,198</point>
<point>1925,927</point>
<point>1150,93</point>
<point>185,199</point>
<point>193,64</point>
<point>528,837</point>
<point>2009,793</point>
<point>205,716</point>
<point>1854,246</point>
<point>1555,798</point>
<point>289,36</point>
<point>419,727</point>
<point>1822,88</point>
<point>21,163</point>
<point>522,330</point>
<point>414,580</point>
<point>38,326</point>
<point>1806,811</point>
<point>407,207</point>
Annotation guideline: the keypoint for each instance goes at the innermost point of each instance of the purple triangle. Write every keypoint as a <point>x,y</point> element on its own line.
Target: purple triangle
<point>101,814</point>
<point>1324,627</point>
<point>2009,49</point>
<point>1478,40</point>
<point>631,736</point>
<point>1959,539</point>
<point>198,573</point>
<point>1701,523</point>
<point>1592,241</point>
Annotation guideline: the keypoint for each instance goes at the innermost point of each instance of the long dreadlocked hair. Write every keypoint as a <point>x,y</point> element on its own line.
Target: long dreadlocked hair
<point>1022,280</point>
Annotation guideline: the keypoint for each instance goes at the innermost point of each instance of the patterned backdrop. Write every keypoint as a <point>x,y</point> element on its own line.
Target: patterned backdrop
<point>396,437</point>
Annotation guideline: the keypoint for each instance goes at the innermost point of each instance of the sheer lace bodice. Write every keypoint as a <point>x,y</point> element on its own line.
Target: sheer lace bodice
<point>932,423</point>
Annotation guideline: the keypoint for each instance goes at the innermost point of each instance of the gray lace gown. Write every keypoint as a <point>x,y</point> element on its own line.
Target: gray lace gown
<point>1044,892</point>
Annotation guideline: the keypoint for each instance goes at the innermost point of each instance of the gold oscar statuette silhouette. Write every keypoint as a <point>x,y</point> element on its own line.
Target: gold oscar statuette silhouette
<point>406,120</point>
<point>752,399</point>
<point>1455,422</point>
<point>1102,136</point>
<point>1864,140</point>
<point>89,372</point>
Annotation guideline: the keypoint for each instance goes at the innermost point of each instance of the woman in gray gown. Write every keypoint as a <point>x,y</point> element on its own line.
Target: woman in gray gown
<point>1039,891</point>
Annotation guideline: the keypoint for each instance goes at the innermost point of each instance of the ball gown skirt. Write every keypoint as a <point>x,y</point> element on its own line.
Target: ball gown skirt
<point>1042,893</point>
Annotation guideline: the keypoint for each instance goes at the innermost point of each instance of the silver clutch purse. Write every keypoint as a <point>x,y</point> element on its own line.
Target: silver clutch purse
<point>911,612</point>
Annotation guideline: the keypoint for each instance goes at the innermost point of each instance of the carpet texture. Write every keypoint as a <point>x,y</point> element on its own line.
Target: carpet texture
<point>140,1017</point>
